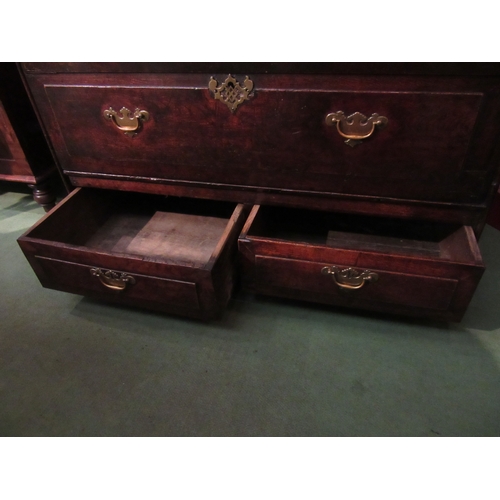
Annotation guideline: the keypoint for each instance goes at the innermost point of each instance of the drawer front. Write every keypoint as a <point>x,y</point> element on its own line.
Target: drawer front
<point>397,289</point>
<point>279,139</point>
<point>139,289</point>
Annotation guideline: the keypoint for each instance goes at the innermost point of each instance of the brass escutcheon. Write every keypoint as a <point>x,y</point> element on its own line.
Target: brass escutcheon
<point>113,279</point>
<point>129,123</point>
<point>355,127</point>
<point>231,92</point>
<point>349,279</point>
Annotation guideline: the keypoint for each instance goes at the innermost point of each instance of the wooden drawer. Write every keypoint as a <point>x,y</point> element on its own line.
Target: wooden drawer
<point>411,268</point>
<point>278,143</point>
<point>168,254</point>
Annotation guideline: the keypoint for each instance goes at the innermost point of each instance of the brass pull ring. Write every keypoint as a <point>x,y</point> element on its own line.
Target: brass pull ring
<point>113,279</point>
<point>355,127</point>
<point>129,123</point>
<point>349,279</point>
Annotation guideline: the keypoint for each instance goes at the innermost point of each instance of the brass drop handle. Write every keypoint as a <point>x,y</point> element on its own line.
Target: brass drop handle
<point>113,279</point>
<point>129,123</point>
<point>355,127</point>
<point>349,279</point>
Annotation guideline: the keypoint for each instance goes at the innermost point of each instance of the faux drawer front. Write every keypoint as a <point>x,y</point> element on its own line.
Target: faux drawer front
<point>167,254</point>
<point>401,267</point>
<point>279,139</point>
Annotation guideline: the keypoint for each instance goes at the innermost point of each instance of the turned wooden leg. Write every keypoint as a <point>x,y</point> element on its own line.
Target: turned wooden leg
<point>43,195</point>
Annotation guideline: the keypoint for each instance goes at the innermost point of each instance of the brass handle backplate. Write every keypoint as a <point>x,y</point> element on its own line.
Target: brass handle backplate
<point>129,123</point>
<point>113,279</point>
<point>231,92</point>
<point>349,279</point>
<point>355,127</point>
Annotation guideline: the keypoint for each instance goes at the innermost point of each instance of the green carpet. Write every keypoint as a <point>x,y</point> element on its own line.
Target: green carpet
<point>70,366</point>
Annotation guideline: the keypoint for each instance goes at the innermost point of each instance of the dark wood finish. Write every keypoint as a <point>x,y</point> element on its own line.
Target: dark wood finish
<point>191,276</point>
<point>407,203</point>
<point>494,213</point>
<point>470,215</point>
<point>435,148</point>
<point>424,270</point>
<point>24,153</point>
<point>363,68</point>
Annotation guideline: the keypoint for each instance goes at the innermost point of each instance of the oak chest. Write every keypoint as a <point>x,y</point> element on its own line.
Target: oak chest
<point>363,186</point>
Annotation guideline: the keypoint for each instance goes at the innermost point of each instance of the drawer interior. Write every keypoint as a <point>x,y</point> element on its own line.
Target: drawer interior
<point>435,240</point>
<point>171,230</point>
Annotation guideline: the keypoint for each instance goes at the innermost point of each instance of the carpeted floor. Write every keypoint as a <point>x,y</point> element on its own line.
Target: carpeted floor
<point>70,366</point>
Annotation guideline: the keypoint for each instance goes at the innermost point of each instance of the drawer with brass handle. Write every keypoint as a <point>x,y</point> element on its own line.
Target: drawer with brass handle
<point>403,267</point>
<point>370,182</point>
<point>166,254</point>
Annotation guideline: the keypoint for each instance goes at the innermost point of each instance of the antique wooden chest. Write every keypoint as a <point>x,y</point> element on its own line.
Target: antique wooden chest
<point>370,184</point>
